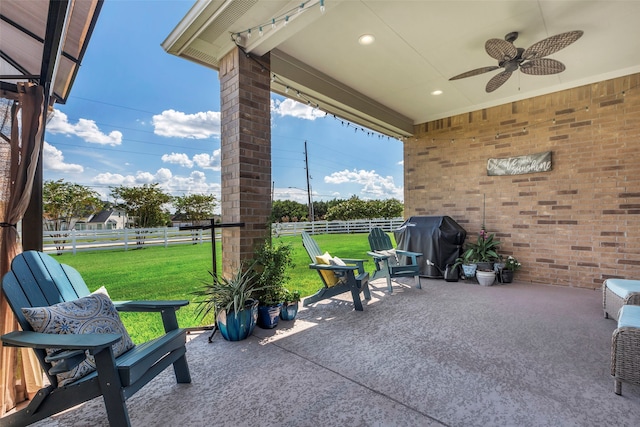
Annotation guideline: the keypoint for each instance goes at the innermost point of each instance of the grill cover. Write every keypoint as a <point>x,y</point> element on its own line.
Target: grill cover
<point>438,238</point>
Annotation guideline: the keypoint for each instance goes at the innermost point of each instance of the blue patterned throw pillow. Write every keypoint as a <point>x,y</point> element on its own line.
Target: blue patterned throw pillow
<point>93,314</point>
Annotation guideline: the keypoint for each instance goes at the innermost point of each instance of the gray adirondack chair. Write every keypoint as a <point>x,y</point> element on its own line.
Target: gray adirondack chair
<point>391,262</point>
<point>37,280</point>
<point>352,277</point>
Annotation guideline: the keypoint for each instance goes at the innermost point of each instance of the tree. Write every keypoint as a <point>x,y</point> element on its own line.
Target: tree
<point>196,207</point>
<point>388,208</point>
<point>145,205</point>
<point>355,208</point>
<point>288,210</point>
<point>65,202</point>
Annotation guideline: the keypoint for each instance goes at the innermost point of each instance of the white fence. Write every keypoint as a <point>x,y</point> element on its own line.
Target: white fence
<point>328,227</point>
<point>132,238</point>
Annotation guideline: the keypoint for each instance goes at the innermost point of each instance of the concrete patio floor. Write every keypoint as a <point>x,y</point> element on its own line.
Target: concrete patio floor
<point>451,354</point>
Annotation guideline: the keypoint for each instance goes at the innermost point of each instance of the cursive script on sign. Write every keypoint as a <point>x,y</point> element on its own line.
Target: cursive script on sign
<point>531,163</point>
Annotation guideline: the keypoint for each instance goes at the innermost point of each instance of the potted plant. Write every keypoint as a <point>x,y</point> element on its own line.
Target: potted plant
<point>468,263</point>
<point>272,263</point>
<point>290,304</point>
<point>485,250</point>
<point>486,277</point>
<point>232,302</point>
<point>510,267</point>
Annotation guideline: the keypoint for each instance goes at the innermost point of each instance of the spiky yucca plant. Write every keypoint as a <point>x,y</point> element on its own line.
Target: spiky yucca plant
<point>230,294</point>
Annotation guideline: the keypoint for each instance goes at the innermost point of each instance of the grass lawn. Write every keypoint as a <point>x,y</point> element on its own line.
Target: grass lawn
<point>176,271</point>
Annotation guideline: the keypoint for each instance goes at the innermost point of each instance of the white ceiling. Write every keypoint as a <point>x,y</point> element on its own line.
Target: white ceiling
<point>419,45</point>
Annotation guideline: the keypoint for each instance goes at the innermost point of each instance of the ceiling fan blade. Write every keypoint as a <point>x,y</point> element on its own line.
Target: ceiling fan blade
<point>498,80</point>
<point>551,45</point>
<point>475,72</point>
<point>500,49</point>
<point>542,67</point>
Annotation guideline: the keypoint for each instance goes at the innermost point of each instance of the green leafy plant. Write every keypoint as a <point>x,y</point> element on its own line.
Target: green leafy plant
<point>512,264</point>
<point>271,267</point>
<point>468,257</point>
<point>485,249</point>
<point>291,296</point>
<point>230,294</point>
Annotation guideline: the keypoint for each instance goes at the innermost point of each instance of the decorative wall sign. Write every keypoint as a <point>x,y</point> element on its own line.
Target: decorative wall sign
<point>531,163</point>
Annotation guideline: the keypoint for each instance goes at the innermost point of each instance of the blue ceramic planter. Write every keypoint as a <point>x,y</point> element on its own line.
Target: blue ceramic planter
<point>268,316</point>
<point>238,326</point>
<point>469,270</point>
<point>289,311</point>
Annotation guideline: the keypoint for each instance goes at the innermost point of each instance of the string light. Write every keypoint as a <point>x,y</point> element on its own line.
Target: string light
<point>310,102</point>
<point>284,18</point>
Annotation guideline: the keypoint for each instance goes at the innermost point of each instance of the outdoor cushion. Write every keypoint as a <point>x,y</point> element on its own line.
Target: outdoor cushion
<point>391,253</point>
<point>337,261</point>
<point>329,276</point>
<point>629,316</point>
<point>94,313</point>
<point>623,287</point>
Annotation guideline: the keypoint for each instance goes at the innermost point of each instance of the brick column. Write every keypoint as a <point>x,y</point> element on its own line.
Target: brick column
<point>246,155</point>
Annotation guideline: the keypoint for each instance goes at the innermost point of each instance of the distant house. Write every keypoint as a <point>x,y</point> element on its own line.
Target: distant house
<point>108,219</point>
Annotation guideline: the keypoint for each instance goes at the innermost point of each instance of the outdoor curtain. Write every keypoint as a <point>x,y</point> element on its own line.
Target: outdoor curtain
<point>20,373</point>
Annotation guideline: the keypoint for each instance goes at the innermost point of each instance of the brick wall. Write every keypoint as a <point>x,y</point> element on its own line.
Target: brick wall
<point>245,155</point>
<point>574,225</point>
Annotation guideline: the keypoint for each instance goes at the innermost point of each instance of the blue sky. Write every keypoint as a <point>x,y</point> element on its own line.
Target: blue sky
<point>138,115</point>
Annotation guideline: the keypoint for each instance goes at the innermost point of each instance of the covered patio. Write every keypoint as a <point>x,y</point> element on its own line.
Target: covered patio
<point>451,354</point>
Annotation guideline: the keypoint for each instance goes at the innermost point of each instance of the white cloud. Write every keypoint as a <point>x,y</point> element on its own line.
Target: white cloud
<point>173,123</point>
<point>206,161</point>
<point>84,128</point>
<point>295,194</point>
<point>53,160</point>
<point>195,183</point>
<point>289,107</point>
<point>202,160</point>
<point>178,159</point>
<point>161,176</point>
<point>373,185</point>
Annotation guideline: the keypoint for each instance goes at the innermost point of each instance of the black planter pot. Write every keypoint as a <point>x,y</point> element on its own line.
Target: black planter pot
<point>485,265</point>
<point>506,276</point>
<point>268,316</point>
<point>451,274</point>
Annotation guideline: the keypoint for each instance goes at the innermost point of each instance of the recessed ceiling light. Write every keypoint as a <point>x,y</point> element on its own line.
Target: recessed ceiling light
<point>436,92</point>
<point>366,39</point>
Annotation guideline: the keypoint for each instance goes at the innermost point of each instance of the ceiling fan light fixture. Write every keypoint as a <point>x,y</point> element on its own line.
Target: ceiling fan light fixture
<point>436,92</point>
<point>530,61</point>
<point>366,39</point>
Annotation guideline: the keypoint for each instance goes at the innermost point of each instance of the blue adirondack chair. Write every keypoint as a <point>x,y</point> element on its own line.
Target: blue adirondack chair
<point>37,280</point>
<point>350,278</point>
<point>390,262</point>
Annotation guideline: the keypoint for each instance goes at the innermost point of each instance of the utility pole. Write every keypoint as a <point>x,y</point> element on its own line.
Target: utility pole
<point>306,163</point>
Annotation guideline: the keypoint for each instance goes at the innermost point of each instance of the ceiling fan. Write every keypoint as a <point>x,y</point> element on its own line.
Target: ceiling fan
<point>529,61</point>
